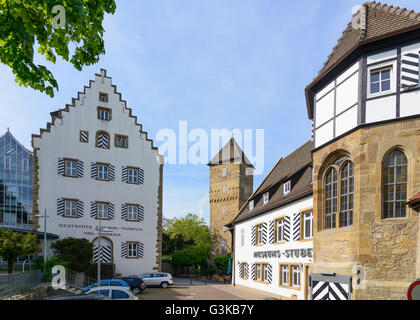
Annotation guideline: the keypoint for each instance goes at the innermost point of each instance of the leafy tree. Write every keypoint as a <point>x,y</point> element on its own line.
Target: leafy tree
<point>222,263</point>
<point>170,245</point>
<point>191,227</point>
<point>14,245</point>
<point>194,256</point>
<point>77,253</point>
<point>40,23</point>
<point>48,265</point>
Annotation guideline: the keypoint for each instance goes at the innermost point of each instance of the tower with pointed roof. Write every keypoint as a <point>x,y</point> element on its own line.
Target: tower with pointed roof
<point>231,184</point>
<point>364,104</point>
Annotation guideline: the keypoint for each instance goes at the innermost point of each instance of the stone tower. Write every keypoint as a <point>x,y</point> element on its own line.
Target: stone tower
<point>231,184</point>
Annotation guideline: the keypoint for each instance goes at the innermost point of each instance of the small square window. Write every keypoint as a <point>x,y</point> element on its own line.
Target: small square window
<point>70,208</point>
<point>103,172</point>
<point>102,210</point>
<point>70,168</point>
<point>132,250</point>
<point>380,80</point>
<point>132,213</point>
<point>133,175</point>
<point>103,97</point>
<point>121,141</point>
<point>266,198</point>
<point>104,114</point>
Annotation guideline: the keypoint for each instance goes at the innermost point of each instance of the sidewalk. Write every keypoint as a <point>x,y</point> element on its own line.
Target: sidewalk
<point>244,293</point>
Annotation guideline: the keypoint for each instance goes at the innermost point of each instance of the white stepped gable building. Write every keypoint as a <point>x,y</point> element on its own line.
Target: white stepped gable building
<point>273,232</point>
<point>94,162</point>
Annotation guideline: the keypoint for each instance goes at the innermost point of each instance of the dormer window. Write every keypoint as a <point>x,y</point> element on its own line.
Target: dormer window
<point>286,187</point>
<point>266,198</point>
<point>251,205</point>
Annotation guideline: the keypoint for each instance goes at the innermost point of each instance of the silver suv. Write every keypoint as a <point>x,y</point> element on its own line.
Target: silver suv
<point>161,279</point>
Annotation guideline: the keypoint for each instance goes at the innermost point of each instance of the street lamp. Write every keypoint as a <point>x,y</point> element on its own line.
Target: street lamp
<point>45,233</point>
<point>99,250</point>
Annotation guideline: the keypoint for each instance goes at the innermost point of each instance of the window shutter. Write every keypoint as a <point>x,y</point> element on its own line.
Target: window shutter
<point>240,270</point>
<point>140,250</point>
<point>83,136</point>
<point>80,168</point>
<point>141,213</point>
<point>124,174</point>
<point>246,270</point>
<point>410,70</point>
<point>252,271</point>
<point>93,170</point>
<point>111,173</point>
<point>93,208</point>
<point>123,249</point>
<point>111,210</point>
<point>271,232</point>
<point>80,209</point>
<point>141,176</point>
<point>264,232</point>
<point>60,166</point>
<point>124,211</point>
<point>103,141</point>
<point>106,254</point>
<point>60,207</point>
<point>287,228</point>
<point>296,226</point>
<point>253,236</point>
<point>269,273</point>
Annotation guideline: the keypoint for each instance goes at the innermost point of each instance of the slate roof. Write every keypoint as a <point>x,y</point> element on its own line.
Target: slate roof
<point>296,167</point>
<point>231,152</point>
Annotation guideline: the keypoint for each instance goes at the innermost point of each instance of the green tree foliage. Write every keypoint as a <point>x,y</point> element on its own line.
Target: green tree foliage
<point>177,243</point>
<point>222,263</point>
<point>48,265</point>
<point>191,227</point>
<point>77,253</point>
<point>28,24</point>
<point>193,256</point>
<point>14,245</point>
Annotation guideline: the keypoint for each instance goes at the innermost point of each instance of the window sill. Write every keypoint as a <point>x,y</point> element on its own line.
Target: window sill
<point>306,240</point>
<point>262,282</point>
<point>290,287</point>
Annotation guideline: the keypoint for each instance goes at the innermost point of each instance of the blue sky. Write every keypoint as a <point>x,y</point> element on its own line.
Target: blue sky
<point>214,63</point>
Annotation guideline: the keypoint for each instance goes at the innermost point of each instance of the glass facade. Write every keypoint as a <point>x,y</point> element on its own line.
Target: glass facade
<point>15,184</point>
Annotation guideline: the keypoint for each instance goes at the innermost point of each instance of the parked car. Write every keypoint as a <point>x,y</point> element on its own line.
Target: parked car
<point>161,279</point>
<point>92,296</point>
<point>136,284</point>
<point>108,283</point>
<point>114,293</point>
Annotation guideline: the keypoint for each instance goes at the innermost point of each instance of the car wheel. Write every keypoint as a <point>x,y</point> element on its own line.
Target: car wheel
<point>136,290</point>
<point>164,285</point>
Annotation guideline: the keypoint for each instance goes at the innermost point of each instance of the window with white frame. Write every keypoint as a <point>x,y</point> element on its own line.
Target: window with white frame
<point>104,114</point>
<point>266,198</point>
<point>103,171</point>
<point>258,269</point>
<point>133,175</point>
<point>259,232</point>
<point>102,210</point>
<point>132,213</point>
<point>70,168</point>
<point>307,225</point>
<point>224,172</point>
<point>242,237</point>
<point>132,250</point>
<point>279,230</point>
<point>380,80</point>
<point>251,205</point>
<point>70,208</point>
<point>286,187</point>
<point>295,276</point>
<point>284,275</point>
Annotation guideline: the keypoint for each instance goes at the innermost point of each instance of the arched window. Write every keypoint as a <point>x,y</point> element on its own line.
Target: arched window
<point>346,195</point>
<point>102,140</point>
<point>395,185</point>
<point>331,199</point>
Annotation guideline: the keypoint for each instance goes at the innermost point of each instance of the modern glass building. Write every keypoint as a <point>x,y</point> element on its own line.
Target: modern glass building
<point>15,184</point>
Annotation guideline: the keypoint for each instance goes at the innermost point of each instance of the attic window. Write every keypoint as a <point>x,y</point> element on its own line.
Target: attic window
<point>251,205</point>
<point>286,187</point>
<point>104,114</point>
<point>266,198</point>
<point>103,97</point>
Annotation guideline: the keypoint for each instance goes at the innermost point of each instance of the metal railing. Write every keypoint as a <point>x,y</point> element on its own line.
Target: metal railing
<point>15,283</point>
<point>78,280</point>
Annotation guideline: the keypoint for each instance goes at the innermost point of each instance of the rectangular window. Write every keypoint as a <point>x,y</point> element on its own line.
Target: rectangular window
<point>102,210</point>
<point>103,172</point>
<point>224,172</point>
<point>258,230</point>
<point>284,275</point>
<point>280,230</point>
<point>242,237</point>
<point>266,198</point>
<point>25,165</point>
<point>307,225</point>
<point>132,213</point>
<point>286,187</point>
<point>70,168</point>
<point>104,114</point>
<point>132,250</point>
<point>133,175</point>
<point>251,205</point>
<point>84,136</point>
<point>243,270</point>
<point>70,208</point>
<point>258,270</point>
<point>103,97</point>
<point>121,141</point>
<point>261,272</point>
<point>380,80</point>
<point>295,276</point>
